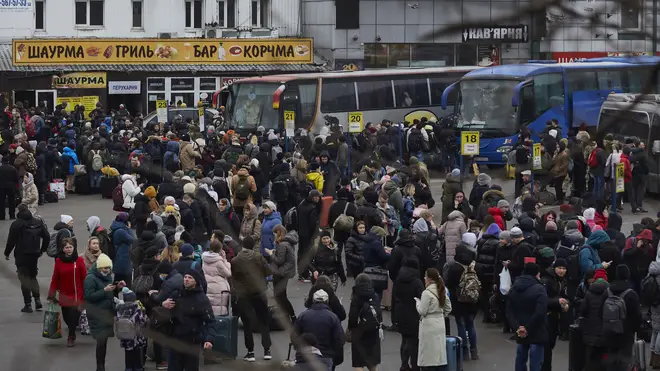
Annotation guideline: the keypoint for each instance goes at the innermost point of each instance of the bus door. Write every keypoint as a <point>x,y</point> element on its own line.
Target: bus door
<point>589,90</point>
<point>653,147</point>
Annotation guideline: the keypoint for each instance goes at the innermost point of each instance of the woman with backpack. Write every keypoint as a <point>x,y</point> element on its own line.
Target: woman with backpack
<point>364,325</point>
<point>67,286</point>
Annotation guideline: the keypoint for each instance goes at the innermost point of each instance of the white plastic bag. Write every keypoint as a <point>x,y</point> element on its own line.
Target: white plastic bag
<point>505,281</point>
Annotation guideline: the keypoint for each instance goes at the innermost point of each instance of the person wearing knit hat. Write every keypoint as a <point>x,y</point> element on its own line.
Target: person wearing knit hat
<point>531,269</point>
<point>104,261</point>
<point>600,274</point>
<point>470,239</point>
<point>186,250</point>
<point>189,188</point>
<point>151,194</point>
<point>320,296</point>
<point>551,226</point>
<point>503,203</point>
<point>484,179</point>
<point>456,173</point>
<point>378,231</point>
<point>270,205</point>
<point>122,217</point>
<point>325,233</point>
<point>505,237</point>
<point>66,219</point>
<point>516,233</point>
<point>560,262</point>
<point>128,296</point>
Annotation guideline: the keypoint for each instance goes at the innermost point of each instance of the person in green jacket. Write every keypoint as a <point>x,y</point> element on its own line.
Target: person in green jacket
<point>100,301</point>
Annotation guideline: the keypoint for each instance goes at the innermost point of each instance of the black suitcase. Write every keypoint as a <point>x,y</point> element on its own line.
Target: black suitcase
<point>576,349</point>
<point>81,184</point>
<point>108,184</point>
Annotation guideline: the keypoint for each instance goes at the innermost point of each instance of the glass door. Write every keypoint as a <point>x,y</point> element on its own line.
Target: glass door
<point>46,99</point>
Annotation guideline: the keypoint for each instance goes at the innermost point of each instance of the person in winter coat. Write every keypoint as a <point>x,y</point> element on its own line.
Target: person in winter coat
<point>354,246</point>
<point>393,191</point>
<point>323,283</point>
<point>365,342</point>
<point>187,154</point>
<point>99,293</point>
<point>64,229</point>
<point>92,252</point>
<point>479,188</point>
<point>122,239</point>
<point>459,204</point>
<point>638,254</point>
<point>68,282</point>
<point>621,345</point>
<point>168,188</point>
<point>217,272</point>
<point>614,223</point>
<point>404,248</point>
<point>368,212</point>
<point>464,313</point>
<point>130,189</point>
<point>553,278</point>
<point>69,159</point>
<point>589,258</point>
<point>406,289</point>
<point>141,212</point>
<point>327,262</point>
<point>96,230</point>
<point>433,307</point>
<point>283,265</point>
<point>490,199</point>
<point>315,176</point>
<point>450,187</point>
<point>30,194</point>
<point>426,238</point>
<point>526,311</point>
<point>251,225</point>
<point>654,272</point>
<point>487,248</point>
<point>337,209</point>
<point>559,171</point>
<point>521,249</point>
<point>453,230</point>
<point>228,218</point>
<point>151,194</point>
<point>188,262</point>
<point>171,159</point>
<point>243,187</point>
<point>308,216</point>
<point>271,219</point>
<point>41,176</point>
<point>9,180</point>
<point>375,255</point>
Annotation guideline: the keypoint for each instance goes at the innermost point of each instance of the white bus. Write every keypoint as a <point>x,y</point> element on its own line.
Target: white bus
<point>395,95</point>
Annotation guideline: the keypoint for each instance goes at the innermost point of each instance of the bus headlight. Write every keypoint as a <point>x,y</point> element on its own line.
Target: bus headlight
<point>504,149</point>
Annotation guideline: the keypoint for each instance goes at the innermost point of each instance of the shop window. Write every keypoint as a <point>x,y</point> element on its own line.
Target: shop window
<point>631,15</point>
<point>89,12</point>
<point>466,55</point>
<point>338,96</point>
<point>438,86</point>
<point>227,13</point>
<point>399,55</point>
<point>548,91</point>
<point>347,14</point>
<point>411,93</point>
<point>259,13</point>
<point>137,13</point>
<point>375,55</point>
<point>39,16</point>
<point>208,83</point>
<point>194,13</point>
<point>375,94</point>
<point>155,84</point>
<point>182,84</point>
<point>432,55</point>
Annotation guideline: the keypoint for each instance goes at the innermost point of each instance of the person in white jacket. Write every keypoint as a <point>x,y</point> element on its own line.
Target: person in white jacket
<point>129,190</point>
<point>433,307</point>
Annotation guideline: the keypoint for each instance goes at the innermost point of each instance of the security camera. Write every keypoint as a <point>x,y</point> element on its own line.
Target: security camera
<point>378,38</point>
<point>355,37</point>
<point>414,6</point>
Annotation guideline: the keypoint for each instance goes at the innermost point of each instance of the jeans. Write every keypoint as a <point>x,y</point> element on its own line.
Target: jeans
<point>71,316</point>
<point>466,330</point>
<point>182,361</point>
<point>94,179</point>
<point>408,351</point>
<point>133,359</point>
<point>599,187</point>
<point>640,191</point>
<point>258,303</point>
<point>533,352</point>
<point>283,302</point>
<point>655,342</point>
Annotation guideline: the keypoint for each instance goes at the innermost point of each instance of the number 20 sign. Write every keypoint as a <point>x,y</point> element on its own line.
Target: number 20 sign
<point>469,143</point>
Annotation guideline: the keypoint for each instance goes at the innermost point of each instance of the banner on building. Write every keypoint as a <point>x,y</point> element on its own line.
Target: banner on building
<point>80,80</point>
<point>88,102</point>
<point>161,51</point>
<point>16,5</point>
<point>511,34</point>
<point>568,57</point>
<point>124,87</point>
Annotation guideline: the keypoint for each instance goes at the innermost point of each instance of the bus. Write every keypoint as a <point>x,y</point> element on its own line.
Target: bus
<point>321,99</point>
<point>635,116</point>
<point>499,100</point>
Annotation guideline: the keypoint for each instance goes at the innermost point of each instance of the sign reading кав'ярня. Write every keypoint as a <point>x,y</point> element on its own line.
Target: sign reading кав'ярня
<point>161,51</point>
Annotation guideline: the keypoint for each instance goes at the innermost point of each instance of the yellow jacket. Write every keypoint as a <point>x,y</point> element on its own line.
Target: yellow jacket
<point>317,179</point>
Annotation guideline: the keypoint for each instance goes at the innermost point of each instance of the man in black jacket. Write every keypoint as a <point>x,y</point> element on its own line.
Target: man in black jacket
<point>640,174</point>
<point>28,237</point>
<point>8,184</point>
<point>309,212</point>
<point>526,311</point>
<point>284,188</point>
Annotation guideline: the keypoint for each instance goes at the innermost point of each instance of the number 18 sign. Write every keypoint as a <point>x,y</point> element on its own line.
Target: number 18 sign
<point>469,143</point>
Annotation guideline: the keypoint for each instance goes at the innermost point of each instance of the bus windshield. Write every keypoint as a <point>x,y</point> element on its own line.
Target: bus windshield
<point>486,107</point>
<point>251,106</point>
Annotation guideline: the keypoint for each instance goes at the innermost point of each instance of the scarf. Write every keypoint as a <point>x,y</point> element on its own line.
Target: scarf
<point>90,258</point>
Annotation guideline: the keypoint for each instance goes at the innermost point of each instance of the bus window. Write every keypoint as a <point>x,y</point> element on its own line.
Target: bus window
<point>411,93</point>
<point>337,96</point>
<point>655,131</point>
<point>527,109</point>
<point>623,123</point>
<point>438,86</point>
<point>548,91</point>
<point>579,80</point>
<point>637,79</point>
<point>307,99</point>
<point>610,80</point>
<point>375,94</point>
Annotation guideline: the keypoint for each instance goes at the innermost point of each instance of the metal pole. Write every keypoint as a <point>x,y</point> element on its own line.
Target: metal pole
<point>350,145</point>
<point>286,143</point>
<point>613,190</point>
<point>400,144</point>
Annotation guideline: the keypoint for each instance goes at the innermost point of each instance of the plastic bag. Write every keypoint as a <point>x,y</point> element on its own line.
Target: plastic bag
<point>52,325</point>
<point>505,281</point>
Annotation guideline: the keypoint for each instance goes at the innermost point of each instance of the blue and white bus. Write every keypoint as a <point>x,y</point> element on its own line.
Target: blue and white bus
<point>499,100</point>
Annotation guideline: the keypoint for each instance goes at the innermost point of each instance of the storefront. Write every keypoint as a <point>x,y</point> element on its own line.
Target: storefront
<point>138,72</point>
<point>568,57</point>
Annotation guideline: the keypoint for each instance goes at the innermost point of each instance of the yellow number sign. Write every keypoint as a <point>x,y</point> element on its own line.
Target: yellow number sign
<point>290,123</point>
<point>161,110</point>
<point>161,104</point>
<point>355,122</point>
<point>620,176</point>
<point>536,158</point>
<point>469,143</point>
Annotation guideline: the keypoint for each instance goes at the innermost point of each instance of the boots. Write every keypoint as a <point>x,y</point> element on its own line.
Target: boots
<point>37,304</point>
<point>466,354</point>
<point>27,308</point>
<point>474,354</point>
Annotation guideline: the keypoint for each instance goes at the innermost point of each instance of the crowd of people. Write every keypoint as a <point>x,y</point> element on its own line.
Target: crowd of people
<point>210,225</point>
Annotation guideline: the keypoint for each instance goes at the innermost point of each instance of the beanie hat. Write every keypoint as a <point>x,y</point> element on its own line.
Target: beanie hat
<point>150,192</point>
<point>469,238</point>
<point>194,273</point>
<point>122,217</point>
<point>483,179</point>
<point>189,188</point>
<point>378,231</point>
<point>170,209</point>
<point>270,205</point>
<point>320,296</point>
<point>325,233</point>
<point>103,261</point>
<point>503,203</point>
<point>572,224</point>
<point>456,172</point>
<point>516,232</point>
<point>66,219</point>
<point>531,269</point>
<point>553,133</point>
<point>506,236</point>
<point>600,274</point>
<point>164,267</point>
<point>566,209</point>
<point>316,193</point>
<point>187,249</point>
<point>551,226</point>
<point>622,272</point>
<point>129,296</point>
<point>560,262</point>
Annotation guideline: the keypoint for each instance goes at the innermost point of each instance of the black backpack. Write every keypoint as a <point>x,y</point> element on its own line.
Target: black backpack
<point>650,290</point>
<point>221,188</point>
<point>31,238</point>
<point>415,140</point>
<point>572,256</point>
<point>368,317</point>
<point>280,191</point>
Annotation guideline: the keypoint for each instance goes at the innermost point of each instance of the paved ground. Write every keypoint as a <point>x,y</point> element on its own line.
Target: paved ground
<point>21,345</point>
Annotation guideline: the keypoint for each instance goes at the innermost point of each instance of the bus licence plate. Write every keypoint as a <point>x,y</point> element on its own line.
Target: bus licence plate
<point>481,159</point>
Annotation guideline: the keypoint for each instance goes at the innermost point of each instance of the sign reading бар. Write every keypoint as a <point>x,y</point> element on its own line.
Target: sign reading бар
<point>161,51</point>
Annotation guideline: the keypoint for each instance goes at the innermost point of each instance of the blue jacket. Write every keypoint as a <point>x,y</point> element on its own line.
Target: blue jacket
<point>172,150</point>
<point>527,306</point>
<point>373,252</point>
<point>123,239</point>
<point>589,258</point>
<point>325,325</point>
<point>73,156</point>
<point>267,236</point>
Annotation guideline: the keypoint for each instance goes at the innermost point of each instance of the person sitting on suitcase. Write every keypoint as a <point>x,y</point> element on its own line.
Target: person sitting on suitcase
<point>324,325</point>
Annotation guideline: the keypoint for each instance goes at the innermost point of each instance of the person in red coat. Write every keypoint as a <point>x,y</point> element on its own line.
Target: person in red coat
<point>499,213</point>
<point>68,280</point>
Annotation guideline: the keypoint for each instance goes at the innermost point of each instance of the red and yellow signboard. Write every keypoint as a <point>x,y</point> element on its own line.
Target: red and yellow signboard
<point>162,51</point>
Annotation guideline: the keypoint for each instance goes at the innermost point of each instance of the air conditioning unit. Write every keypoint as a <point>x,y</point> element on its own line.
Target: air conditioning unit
<point>166,35</point>
<point>211,34</point>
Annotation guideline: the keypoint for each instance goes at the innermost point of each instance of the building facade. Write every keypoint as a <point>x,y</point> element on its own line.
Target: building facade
<point>145,50</point>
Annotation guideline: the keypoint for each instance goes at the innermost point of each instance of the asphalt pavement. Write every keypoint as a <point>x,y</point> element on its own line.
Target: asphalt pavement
<point>23,348</point>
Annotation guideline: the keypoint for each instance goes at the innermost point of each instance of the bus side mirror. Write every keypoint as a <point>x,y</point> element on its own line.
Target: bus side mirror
<point>656,148</point>
<point>515,100</point>
<point>445,95</point>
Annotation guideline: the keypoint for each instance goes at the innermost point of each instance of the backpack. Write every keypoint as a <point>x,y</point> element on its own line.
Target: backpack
<point>469,287</point>
<point>221,188</point>
<point>291,218</point>
<point>415,140</point>
<point>242,191</point>
<point>593,158</point>
<point>31,163</point>
<point>650,291</point>
<point>30,128</point>
<point>614,313</point>
<point>118,198</point>
<point>97,161</point>
<point>125,327</point>
<point>280,190</point>
<point>368,317</point>
<point>344,223</point>
<point>572,256</point>
<point>172,162</point>
<point>31,238</point>
<point>143,283</point>
<point>53,248</point>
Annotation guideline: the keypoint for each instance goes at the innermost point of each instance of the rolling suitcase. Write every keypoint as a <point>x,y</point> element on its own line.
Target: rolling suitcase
<point>108,184</point>
<point>454,354</point>
<point>225,343</point>
<point>386,301</point>
<point>81,184</point>
<point>576,353</point>
<point>639,362</point>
